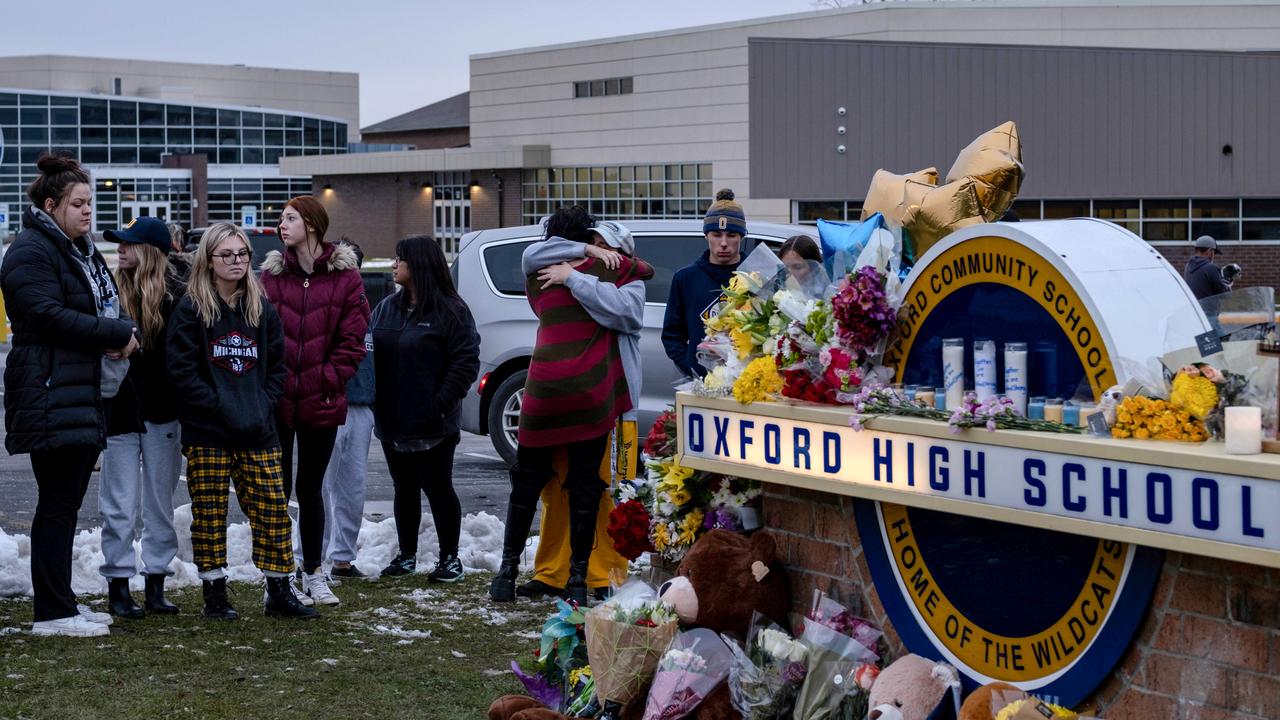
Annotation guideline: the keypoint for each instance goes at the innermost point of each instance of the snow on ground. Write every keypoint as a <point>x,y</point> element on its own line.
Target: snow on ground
<point>479,548</point>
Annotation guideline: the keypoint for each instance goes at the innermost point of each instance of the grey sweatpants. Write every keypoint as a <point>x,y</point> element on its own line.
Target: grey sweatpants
<point>139,473</point>
<point>344,485</point>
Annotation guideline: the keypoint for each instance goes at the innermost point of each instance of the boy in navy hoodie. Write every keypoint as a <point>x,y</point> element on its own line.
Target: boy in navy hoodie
<point>696,288</point>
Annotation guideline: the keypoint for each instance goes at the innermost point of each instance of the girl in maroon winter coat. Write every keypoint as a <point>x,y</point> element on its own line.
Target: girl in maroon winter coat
<point>317,289</point>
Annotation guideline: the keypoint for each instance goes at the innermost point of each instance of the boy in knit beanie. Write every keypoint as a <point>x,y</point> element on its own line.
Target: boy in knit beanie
<point>696,288</point>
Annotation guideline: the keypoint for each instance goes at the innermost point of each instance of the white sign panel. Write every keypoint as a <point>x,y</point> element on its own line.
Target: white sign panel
<point>1188,503</point>
<point>248,216</point>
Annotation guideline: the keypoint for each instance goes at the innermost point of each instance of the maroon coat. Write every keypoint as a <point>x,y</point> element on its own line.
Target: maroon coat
<point>325,317</point>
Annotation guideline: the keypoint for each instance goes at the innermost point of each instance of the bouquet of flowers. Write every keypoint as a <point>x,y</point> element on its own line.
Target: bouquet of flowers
<point>661,441</point>
<point>552,677</point>
<point>1145,418</point>
<point>862,310</point>
<point>759,381</point>
<point>1204,392</point>
<point>695,664</point>
<point>673,495</point>
<point>999,412</point>
<point>734,505</point>
<point>764,678</point>
<point>838,648</point>
<point>626,636</point>
<point>629,523</point>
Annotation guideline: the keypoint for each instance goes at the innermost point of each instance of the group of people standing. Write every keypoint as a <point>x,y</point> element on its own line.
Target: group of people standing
<point>171,357</point>
<point>175,356</point>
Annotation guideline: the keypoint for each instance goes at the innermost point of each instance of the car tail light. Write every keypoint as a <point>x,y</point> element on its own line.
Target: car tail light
<point>484,380</point>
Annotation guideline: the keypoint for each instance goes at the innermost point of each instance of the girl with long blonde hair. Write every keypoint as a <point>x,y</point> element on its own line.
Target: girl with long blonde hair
<point>143,457</point>
<point>226,361</point>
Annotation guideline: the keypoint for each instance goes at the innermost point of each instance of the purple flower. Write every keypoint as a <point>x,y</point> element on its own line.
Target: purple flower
<point>538,687</point>
<point>991,424</point>
<point>794,673</point>
<point>855,423</point>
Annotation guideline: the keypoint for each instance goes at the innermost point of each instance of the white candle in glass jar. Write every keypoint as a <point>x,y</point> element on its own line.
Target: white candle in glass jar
<point>1015,375</point>
<point>984,369</point>
<point>953,371</point>
<point>1244,430</point>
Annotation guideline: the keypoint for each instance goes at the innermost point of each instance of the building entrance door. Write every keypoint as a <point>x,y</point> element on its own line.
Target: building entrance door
<point>131,210</point>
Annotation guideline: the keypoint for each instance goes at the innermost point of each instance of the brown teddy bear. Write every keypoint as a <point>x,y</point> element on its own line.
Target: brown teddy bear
<point>915,688</point>
<point>724,579</point>
<point>978,705</point>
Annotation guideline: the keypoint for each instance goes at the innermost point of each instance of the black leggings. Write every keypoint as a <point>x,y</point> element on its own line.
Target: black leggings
<point>62,476</point>
<point>430,472</point>
<point>315,445</point>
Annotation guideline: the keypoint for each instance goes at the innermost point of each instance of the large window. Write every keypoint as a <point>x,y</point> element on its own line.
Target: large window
<point>627,192</point>
<point>228,196</point>
<point>1157,220</point>
<point>451,203</point>
<point>601,88</point>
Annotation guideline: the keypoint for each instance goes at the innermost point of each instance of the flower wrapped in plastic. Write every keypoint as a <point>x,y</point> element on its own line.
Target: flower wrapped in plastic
<point>692,667</point>
<point>837,654</point>
<point>766,676</point>
<point>862,310</point>
<point>626,636</point>
<point>560,653</point>
<point>759,381</point>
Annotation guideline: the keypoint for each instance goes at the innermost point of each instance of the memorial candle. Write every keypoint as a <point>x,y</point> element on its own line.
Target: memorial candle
<point>953,371</point>
<point>1015,375</point>
<point>1244,430</point>
<point>1053,410</point>
<point>984,369</point>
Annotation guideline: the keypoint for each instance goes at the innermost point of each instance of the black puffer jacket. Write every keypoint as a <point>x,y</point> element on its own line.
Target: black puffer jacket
<point>146,393</point>
<point>52,380</point>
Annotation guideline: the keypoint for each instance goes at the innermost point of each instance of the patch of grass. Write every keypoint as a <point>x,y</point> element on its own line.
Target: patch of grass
<point>392,649</point>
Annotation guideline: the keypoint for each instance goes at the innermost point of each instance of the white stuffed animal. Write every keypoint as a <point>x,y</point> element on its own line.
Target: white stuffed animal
<point>1110,402</point>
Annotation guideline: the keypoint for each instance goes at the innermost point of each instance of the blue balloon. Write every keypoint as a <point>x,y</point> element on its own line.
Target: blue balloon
<point>846,237</point>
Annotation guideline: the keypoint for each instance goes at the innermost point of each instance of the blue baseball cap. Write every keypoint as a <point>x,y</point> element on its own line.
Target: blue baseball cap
<point>143,231</point>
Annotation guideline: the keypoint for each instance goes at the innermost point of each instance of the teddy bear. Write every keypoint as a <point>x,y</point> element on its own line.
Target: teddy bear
<point>978,705</point>
<point>915,688</point>
<point>723,580</point>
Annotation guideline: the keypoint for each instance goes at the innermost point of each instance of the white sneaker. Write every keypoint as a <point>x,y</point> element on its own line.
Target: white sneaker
<point>298,593</point>
<point>74,626</point>
<point>92,616</point>
<point>318,588</point>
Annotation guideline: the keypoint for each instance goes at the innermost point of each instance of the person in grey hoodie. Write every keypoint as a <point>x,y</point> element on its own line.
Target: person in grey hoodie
<point>617,308</point>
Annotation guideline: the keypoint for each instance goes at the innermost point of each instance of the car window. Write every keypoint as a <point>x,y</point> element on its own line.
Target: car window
<point>669,253</point>
<point>503,264</point>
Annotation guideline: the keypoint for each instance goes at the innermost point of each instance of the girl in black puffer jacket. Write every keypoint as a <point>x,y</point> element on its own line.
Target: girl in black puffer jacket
<point>64,309</point>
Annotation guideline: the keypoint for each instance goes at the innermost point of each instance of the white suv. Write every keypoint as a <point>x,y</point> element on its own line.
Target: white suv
<point>487,273</point>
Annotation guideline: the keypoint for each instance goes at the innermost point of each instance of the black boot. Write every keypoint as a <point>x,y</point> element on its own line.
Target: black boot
<point>216,606</point>
<point>281,601</point>
<point>521,508</point>
<point>582,538</point>
<point>119,602</point>
<point>575,591</point>
<point>154,597</point>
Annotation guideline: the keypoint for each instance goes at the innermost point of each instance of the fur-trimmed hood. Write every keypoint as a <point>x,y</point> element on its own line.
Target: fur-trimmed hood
<point>334,259</point>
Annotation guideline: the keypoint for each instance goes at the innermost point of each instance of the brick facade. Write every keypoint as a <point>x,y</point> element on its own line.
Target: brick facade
<point>1208,648</point>
<point>422,139</point>
<point>376,210</point>
<point>484,200</point>
<point>1260,263</point>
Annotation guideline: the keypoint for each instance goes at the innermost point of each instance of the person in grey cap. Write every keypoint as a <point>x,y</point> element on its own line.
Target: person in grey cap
<point>1202,276</point>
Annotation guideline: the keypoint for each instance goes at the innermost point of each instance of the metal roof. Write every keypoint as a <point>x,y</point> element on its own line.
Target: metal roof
<point>451,112</point>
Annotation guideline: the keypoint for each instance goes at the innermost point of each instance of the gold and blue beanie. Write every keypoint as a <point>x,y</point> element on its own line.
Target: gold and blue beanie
<point>725,215</point>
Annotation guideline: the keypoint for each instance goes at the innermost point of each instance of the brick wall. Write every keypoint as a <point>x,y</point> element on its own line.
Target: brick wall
<point>422,139</point>
<point>1260,263</point>
<point>484,200</point>
<point>1208,648</point>
<point>376,210</point>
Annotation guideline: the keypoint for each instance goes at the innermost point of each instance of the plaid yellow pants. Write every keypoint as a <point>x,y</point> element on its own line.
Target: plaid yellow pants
<point>259,484</point>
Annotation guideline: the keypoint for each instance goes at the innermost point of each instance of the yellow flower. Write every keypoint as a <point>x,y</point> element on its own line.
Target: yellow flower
<point>1196,395</point>
<point>758,381</point>
<point>1141,434</point>
<point>742,342</point>
<point>1123,416</point>
<point>578,675</point>
<point>676,473</point>
<point>679,497</point>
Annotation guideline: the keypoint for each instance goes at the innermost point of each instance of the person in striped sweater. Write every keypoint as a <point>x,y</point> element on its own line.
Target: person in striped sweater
<point>575,391</point>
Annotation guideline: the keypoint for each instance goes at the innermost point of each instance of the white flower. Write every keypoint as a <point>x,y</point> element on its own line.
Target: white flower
<point>781,646</point>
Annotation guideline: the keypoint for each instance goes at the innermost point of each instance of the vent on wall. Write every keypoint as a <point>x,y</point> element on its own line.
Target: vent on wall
<point>601,88</point>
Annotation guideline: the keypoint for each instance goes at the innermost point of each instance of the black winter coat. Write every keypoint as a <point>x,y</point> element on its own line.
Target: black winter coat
<point>53,376</point>
<point>422,370</point>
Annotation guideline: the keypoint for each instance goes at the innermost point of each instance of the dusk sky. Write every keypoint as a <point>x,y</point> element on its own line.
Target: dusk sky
<point>408,54</point>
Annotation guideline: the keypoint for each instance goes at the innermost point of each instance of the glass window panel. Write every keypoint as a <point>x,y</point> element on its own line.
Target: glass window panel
<point>273,137</point>
<point>178,115</point>
<point>610,190</point>
<point>1164,209</point>
<point>597,174</point>
<point>93,135</point>
<point>28,155</point>
<point>151,136</point>
<point>1055,209</point>
<point>252,156</point>
<point>271,156</point>
<point>311,132</point>
<point>35,135</point>
<point>689,172</point>
<point>229,118</point>
<point>251,119</point>
<point>292,121</point>
<point>1225,208</point>
<point>503,265</point>
<point>293,138</point>
<point>326,134</point>
<point>8,116</point>
<point>611,174</point>
<point>35,116</point>
<point>1264,208</point>
<point>64,116</point>
<point>673,172</point>
<point>1262,230</point>
<point>1115,209</point>
<point>229,156</point>
<point>704,171</point>
<point>179,149</point>
<point>666,254</point>
<point>228,136</point>
<point>124,136</point>
<point>180,136</point>
<point>206,136</point>
<point>124,112</point>
<point>626,173</point>
<point>626,85</point>
<point>812,211</point>
<point>1133,227</point>
<point>689,189</point>
<point>64,101</point>
<point>126,155</point>
<point>149,155</point>
<point>341,142</point>
<point>597,88</point>
<point>1219,230</point>
<point>273,121</point>
<point>150,114</point>
<point>251,137</point>
<point>36,100</point>
<point>1027,209</point>
<point>93,112</point>
<point>209,152</point>
<point>66,136</point>
<point>1158,231</point>
<point>204,116</point>
<point>8,99</point>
